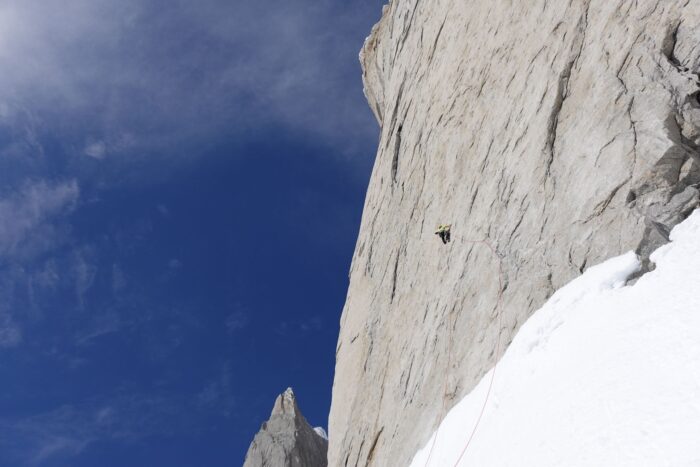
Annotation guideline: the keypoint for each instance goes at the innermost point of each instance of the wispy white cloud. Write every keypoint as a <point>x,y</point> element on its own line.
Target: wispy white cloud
<point>163,210</point>
<point>84,271</point>
<point>118,279</point>
<point>313,324</point>
<point>237,320</point>
<point>27,215</point>
<point>96,149</point>
<point>10,333</point>
<point>137,74</point>
<point>173,268</point>
<point>100,325</point>
<point>217,394</point>
<point>31,224</point>
<point>47,275</point>
<point>68,430</point>
<point>53,446</point>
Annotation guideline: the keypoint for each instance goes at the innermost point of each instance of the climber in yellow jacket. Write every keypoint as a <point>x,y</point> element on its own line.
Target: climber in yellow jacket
<point>443,231</point>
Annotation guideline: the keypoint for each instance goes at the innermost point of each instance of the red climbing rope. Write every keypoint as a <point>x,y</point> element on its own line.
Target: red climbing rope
<point>493,373</point>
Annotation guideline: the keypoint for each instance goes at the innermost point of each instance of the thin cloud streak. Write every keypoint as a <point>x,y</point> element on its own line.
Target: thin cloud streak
<point>70,429</point>
<point>26,216</point>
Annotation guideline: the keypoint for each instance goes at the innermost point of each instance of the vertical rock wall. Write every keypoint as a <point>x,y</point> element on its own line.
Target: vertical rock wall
<point>564,132</point>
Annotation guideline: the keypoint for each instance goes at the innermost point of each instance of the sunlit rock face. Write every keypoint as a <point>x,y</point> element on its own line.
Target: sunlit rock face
<point>563,132</point>
<point>287,439</point>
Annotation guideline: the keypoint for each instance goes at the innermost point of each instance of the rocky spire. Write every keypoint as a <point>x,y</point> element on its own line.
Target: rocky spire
<point>287,439</point>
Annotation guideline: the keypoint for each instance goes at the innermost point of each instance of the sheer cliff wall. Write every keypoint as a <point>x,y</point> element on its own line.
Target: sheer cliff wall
<point>564,132</point>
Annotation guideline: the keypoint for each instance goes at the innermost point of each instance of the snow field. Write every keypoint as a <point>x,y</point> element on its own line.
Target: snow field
<point>602,375</point>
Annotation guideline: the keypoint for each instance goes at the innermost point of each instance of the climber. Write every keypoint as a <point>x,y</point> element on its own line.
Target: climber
<point>443,231</point>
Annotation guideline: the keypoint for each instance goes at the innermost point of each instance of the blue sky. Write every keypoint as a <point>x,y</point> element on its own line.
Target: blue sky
<point>181,185</point>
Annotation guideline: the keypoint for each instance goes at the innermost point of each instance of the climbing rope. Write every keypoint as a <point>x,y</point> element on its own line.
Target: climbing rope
<point>499,303</point>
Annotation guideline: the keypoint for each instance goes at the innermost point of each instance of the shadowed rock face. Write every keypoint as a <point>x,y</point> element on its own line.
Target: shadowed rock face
<point>287,439</point>
<point>564,132</point>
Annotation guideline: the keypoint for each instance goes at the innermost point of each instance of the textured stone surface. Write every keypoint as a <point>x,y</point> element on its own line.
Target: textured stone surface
<point>564,132</point>
<point>286,439</point>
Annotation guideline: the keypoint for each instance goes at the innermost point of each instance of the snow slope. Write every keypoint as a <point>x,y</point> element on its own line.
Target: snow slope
<point>602,375</point>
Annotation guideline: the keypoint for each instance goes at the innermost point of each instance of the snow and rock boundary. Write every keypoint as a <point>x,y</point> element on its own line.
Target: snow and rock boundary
<point>603,374</point>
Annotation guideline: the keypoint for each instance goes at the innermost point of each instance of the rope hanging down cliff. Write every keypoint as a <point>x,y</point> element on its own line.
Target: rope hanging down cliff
<point>499,310</point>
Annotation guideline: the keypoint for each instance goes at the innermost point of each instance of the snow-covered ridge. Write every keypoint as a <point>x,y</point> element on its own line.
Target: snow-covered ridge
<point>602,375</point>
<point>321,432</point>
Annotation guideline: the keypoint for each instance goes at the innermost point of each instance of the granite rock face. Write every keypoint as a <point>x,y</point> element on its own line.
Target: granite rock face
<point>562,132</point>
<point>287,439</point>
